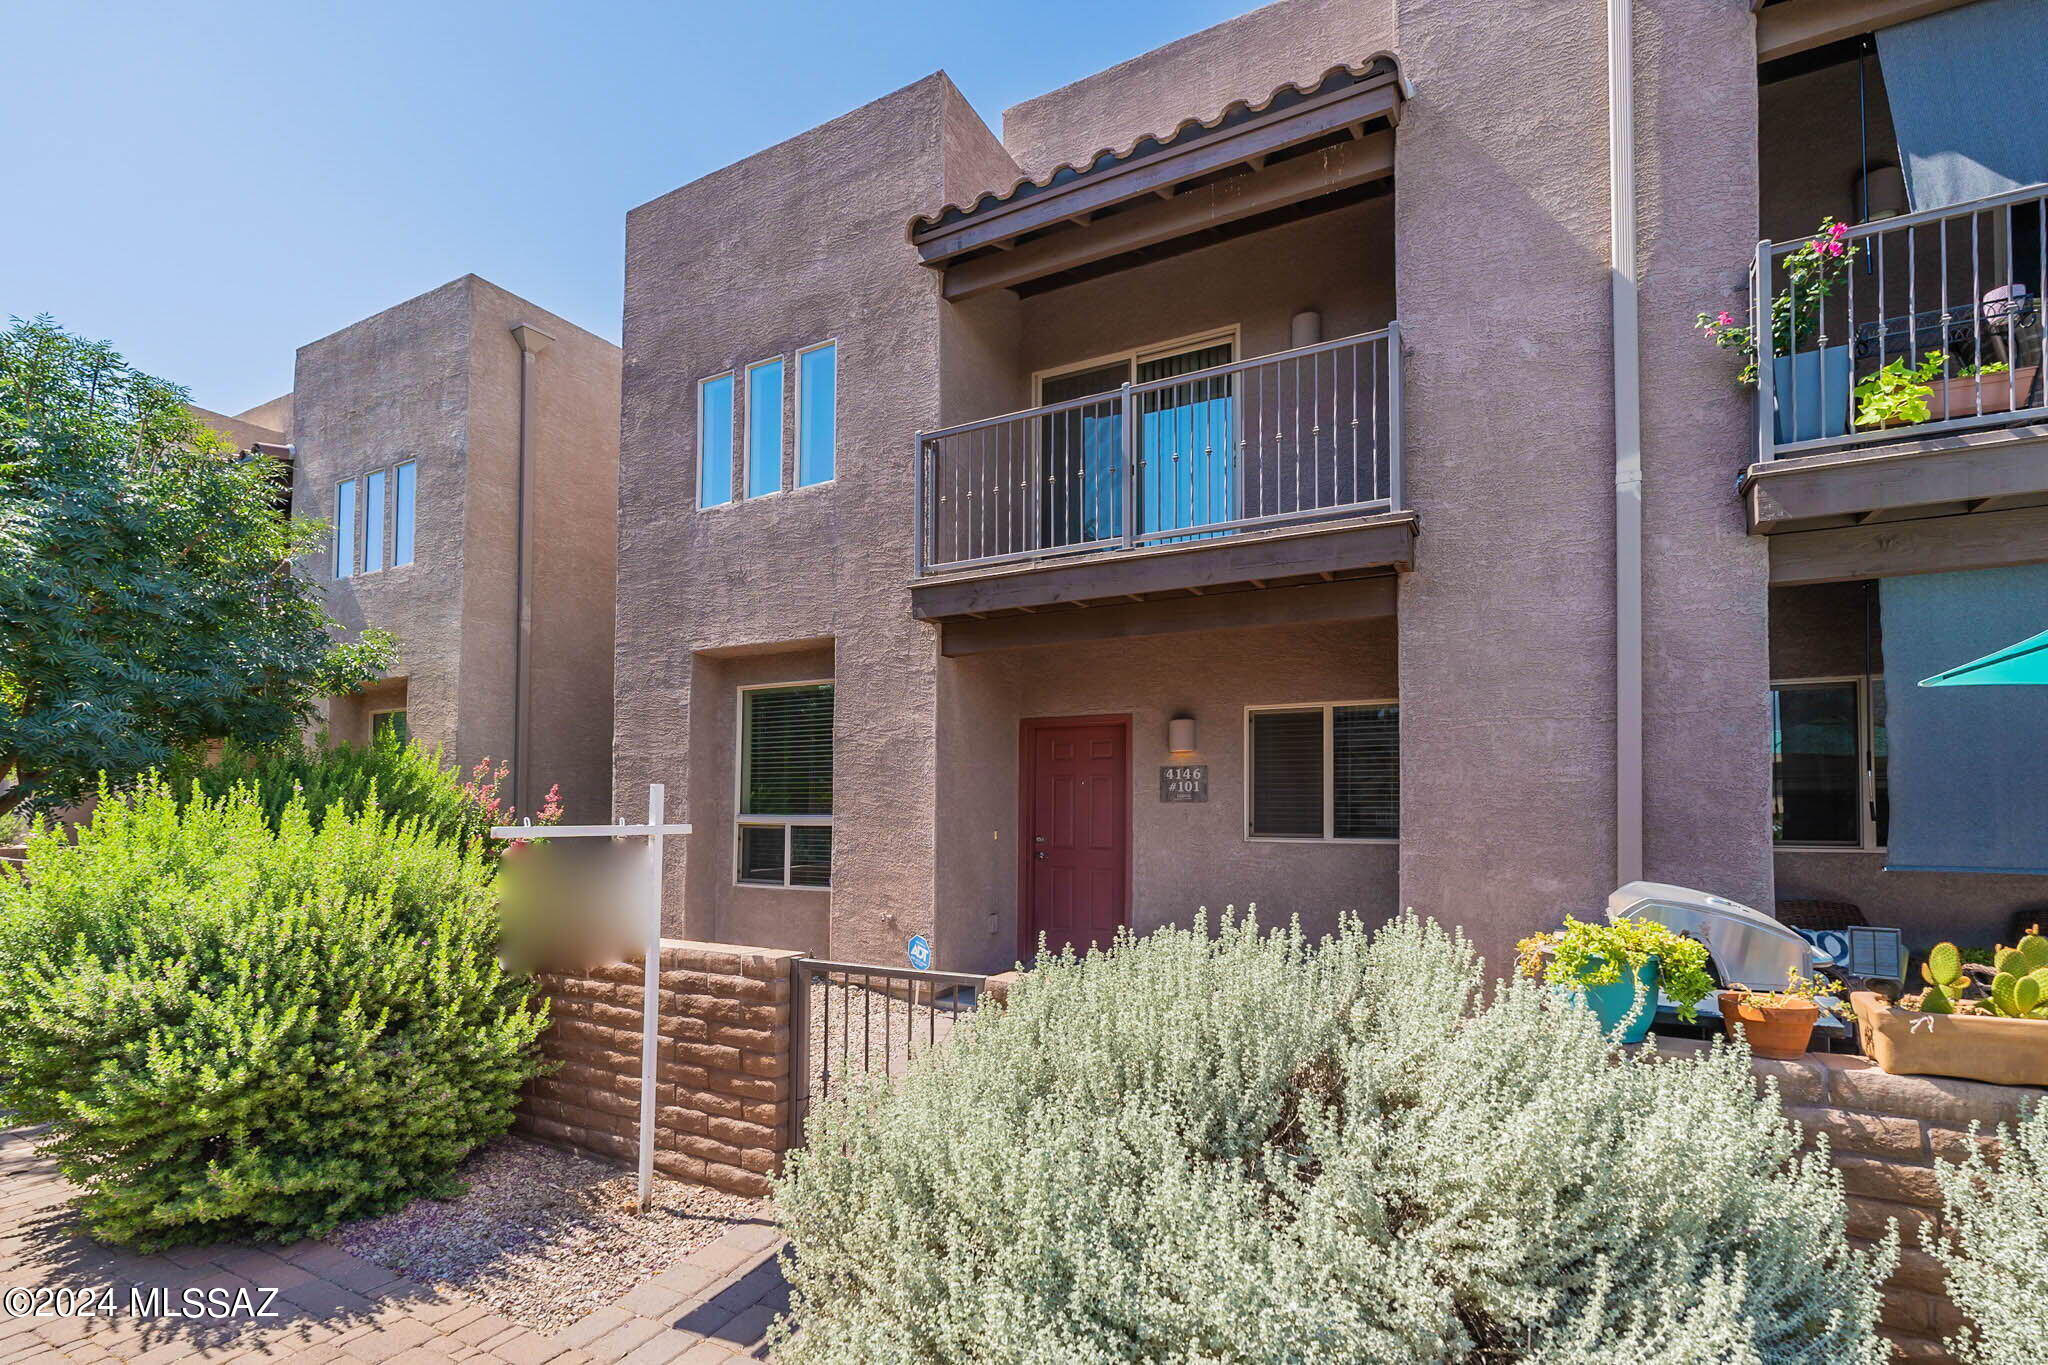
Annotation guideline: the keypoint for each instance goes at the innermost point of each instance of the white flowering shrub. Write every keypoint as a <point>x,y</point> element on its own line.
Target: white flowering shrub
<point>1248,1147</point>
<point>1995,1245</point>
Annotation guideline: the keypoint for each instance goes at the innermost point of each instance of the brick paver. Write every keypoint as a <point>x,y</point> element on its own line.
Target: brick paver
<point>714,1306</point>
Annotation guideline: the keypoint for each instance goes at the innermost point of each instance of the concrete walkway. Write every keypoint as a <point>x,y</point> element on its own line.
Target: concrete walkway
<point>310,1302</point>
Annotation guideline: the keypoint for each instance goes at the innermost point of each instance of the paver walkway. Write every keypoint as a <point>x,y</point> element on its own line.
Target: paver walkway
<point>713,1305</point>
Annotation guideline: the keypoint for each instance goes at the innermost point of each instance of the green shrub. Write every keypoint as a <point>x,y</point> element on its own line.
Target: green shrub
<point>240,1031</point>
<point>1994,1245</point>
<point>409,782</point>
<point>1251,1148</point>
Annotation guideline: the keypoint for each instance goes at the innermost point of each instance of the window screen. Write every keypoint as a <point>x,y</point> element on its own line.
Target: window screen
<point>1325,772</point>
<point>784,825</point>
<point>1815,765</point>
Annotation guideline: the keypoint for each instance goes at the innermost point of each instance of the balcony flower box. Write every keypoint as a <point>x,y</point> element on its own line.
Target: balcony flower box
<point>1988,393</point>
<point>1970,1047</point>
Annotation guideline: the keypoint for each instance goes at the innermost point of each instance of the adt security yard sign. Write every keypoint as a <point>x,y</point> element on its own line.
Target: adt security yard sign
<point>921,952</point>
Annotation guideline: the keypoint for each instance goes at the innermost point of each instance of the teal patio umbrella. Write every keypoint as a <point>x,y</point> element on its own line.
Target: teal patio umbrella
<point>2025,662</point>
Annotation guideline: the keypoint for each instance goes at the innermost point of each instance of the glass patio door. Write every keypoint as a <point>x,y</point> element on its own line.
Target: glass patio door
<point>1187,442</point>
<point>1187,471</point>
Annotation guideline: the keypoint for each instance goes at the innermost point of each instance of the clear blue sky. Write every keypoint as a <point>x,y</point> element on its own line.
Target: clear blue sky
<point>211,184</point>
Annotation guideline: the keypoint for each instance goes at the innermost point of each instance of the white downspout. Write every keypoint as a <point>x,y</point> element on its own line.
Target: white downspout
<point>1628,446</point>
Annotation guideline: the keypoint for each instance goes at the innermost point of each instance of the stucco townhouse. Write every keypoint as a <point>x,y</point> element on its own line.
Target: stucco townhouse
<point>462,447</point>
<point>1255,475</point>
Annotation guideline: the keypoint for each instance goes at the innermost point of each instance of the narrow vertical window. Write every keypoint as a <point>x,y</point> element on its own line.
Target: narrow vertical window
<point>764,428</point>
<point>373,522</point>
<point>714,441</point>
<point>345,529</point>
<point>1816,775</point>
<point>817,417</point>
<point>403,480</point>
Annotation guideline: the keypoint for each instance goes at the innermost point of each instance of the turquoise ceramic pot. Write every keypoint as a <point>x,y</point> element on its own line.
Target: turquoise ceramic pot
<point>1611,1004</point>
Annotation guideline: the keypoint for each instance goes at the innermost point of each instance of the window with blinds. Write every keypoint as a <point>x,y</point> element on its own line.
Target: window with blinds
<point>1324,772</point>
<point>785,807</point>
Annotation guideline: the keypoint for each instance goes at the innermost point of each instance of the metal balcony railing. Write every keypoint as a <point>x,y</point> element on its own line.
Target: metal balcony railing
<point>1309,433</point>
<point>1952,295</point>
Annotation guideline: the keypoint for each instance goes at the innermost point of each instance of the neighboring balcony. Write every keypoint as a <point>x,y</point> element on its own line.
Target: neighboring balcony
<point>1908,381</point>
<point>1280,469</point>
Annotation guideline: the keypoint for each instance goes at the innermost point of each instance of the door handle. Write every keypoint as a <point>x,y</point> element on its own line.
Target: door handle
<point>1039,854</point>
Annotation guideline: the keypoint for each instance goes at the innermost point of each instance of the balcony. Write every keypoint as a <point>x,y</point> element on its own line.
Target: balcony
<point>1907,383</point>
<point>1284,468</point>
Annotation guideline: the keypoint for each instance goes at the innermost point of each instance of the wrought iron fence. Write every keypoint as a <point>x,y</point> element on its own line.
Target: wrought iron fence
<point>1951,298</point>
<point>1299,435</point>
<point>853,1020</point>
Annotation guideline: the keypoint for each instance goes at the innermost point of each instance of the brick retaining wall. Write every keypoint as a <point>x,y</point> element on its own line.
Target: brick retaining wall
<point>1884,1134</point>
<point>723,1084</point>
<point>724,1096</point>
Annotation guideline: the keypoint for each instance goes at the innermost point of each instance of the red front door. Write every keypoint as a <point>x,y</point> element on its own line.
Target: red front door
<point>1076,806</point>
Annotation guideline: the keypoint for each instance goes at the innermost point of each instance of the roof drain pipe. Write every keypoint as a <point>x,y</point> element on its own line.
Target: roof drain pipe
<point>1628,446</point>
<point>532,341</point>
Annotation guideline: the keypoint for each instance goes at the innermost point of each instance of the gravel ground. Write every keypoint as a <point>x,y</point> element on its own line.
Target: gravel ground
<point>544,1236</point>
<point>856,1031</point>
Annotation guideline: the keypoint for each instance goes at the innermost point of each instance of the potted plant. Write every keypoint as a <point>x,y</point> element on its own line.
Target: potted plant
<point>1959,1026</point>
<point>1777,1024</point>
<point>1810,387</point>
<point>1901,395</point>
<point>1618,969</point>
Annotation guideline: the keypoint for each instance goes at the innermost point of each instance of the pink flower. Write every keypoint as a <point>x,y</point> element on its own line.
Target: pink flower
<point>1838,230</point>
<point>1727,319</point>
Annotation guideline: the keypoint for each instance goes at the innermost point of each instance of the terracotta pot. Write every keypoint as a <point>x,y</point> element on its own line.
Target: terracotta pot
<point>1986,393</point>
<point>1780,1032</point>
<point>1971,1047</point>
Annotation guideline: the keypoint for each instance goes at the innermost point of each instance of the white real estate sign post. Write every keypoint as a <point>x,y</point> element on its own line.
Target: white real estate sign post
<point>650,920</point>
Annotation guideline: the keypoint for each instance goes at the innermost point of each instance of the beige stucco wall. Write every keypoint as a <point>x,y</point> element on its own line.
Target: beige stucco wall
<point>1184,856</point>
<point>1244,58</point>
<point>435,380</point>
<point>814,226</point>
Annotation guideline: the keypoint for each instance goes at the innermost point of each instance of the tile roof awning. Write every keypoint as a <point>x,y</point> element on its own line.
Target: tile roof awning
<point>1346,115</point>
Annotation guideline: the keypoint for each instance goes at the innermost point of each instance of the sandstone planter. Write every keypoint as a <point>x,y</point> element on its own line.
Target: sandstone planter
<point>1972,1047</point>
<point>1780,1032</point>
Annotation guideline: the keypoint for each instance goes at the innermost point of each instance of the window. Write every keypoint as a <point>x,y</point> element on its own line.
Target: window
<point>714,441</point>
<point>764,428</point>
<point>373,522</point>
<point>404,479</point>
<point>817,413</point>
<point>390,723</point>
<point>345,529</point>
<point>785,785</point>
<point>1324,772</point>
<point>1829,786</point>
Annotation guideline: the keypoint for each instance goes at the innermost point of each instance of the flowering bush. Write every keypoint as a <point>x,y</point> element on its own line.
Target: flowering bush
<point>1812,275</point>
<point>1995,1231</point>
<point>235,1030</point>
<point>1254,1148</point>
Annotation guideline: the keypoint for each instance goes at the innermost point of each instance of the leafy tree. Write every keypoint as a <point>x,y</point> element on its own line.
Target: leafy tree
<point>147,601</point>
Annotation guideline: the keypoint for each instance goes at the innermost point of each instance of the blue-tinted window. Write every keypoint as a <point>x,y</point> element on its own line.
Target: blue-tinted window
<point>404,479</point>
<point>817,418</point>
<point>373,522</point>
<point>345,530</point>
<point>764,428</point>
<point>714,441</point>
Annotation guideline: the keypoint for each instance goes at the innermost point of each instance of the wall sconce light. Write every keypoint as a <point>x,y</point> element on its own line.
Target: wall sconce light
<point>1180,734</point>
<point>1882,190</point>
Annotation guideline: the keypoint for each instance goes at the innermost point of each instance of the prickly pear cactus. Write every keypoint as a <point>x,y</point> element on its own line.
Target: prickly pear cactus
<point>1943,972</point>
